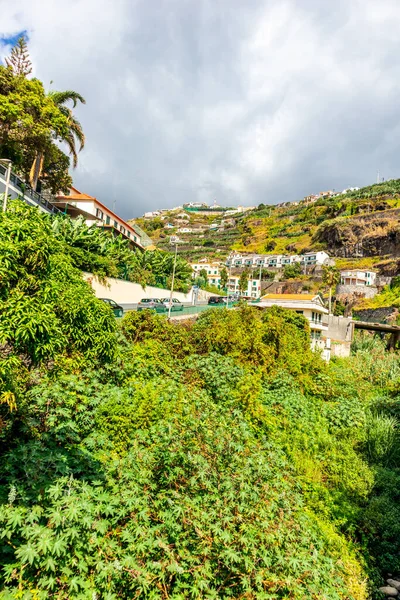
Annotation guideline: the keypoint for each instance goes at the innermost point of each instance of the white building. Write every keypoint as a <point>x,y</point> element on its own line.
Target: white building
<point>253,287</point>
<point>312,308</point>
<point>314,258</point>
<point>357,277</point>
<point>275,261</point>
<point>184,230</point>
<point>96,213</point>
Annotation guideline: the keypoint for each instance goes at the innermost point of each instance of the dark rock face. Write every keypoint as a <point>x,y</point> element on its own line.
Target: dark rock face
<point>375,234</point>
<point>376,315</point>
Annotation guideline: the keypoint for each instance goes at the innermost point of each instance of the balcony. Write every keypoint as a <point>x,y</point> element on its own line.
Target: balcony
<point>318,325</point>
<point>26,193</point>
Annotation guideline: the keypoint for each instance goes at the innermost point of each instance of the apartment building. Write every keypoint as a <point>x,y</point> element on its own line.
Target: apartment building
<point>275,261</point>
<point>253,287</point>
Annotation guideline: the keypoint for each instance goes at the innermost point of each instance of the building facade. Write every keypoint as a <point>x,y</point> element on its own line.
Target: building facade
<point>253,287</point>
<point>357,277</point>
<point>276,261</point>
<point>96,213</point>
<point>308,305</point>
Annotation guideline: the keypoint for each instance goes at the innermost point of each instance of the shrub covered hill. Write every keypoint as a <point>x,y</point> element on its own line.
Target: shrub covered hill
<point>359,228</point>
<point>218,459</point>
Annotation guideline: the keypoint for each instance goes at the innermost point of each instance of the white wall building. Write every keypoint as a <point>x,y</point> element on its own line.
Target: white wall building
<point>357,277</point>
<point>98,214</point>
<point>253,287</point>
<point>275,261</point>
<point>312,308</point>
<point>314,258</point>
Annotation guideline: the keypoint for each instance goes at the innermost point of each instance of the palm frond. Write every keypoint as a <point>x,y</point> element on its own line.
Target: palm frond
<point>61,98</point>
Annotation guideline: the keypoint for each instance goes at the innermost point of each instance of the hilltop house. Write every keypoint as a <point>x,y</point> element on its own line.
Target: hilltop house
<point>96,213</point>
<point>310,259</point>
<point>357,277</point>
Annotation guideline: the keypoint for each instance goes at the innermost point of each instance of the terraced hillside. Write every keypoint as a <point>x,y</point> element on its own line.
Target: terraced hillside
<point>360,228</point>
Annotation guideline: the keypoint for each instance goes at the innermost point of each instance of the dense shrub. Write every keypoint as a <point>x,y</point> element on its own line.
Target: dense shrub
<point>221,458</point>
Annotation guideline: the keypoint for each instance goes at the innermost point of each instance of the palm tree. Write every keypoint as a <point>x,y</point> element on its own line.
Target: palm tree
<point>331,277</point>
<point>75,132</point>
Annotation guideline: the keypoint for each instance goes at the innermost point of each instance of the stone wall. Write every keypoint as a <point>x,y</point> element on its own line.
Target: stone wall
<point>366,291</point>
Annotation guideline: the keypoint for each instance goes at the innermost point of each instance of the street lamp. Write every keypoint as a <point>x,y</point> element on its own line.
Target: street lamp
<point>172,282</point>
<point>8,162</point>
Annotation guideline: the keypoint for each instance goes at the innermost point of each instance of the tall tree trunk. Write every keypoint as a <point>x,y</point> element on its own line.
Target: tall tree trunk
<point>36,170</point>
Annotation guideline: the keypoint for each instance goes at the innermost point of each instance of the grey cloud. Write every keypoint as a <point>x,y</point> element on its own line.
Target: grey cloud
<point>245,101</point>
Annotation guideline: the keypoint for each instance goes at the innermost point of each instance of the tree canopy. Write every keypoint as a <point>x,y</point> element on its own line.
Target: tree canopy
<point>33,123</point>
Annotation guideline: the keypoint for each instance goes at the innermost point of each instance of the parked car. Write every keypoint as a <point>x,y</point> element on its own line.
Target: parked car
<point>176,304</point>
<point>152,304</point>
<point>116,308</point>
<point>216,300</point>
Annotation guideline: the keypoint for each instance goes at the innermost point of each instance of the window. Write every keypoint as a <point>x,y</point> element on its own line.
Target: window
<point>129,234</point>
<point>116,224</point>
<point>300,312</point>
<point>107,220</point>
<point>99,213</point>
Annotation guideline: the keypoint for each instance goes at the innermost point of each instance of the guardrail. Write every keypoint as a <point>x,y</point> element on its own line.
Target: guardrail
<point>26,192</point>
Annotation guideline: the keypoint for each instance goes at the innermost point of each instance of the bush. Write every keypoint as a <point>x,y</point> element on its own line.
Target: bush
<point>292,271</point>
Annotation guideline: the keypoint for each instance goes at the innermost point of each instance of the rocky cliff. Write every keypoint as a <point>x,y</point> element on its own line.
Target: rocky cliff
<point>375,234</point>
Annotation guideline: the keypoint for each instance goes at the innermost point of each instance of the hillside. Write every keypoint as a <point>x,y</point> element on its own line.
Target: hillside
<point>359,228</point>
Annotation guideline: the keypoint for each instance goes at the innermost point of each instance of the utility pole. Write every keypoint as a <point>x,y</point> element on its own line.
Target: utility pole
<point>8,175</point>
<point>378,177</point>
<point>172,283</point>
<point>227,291</point>
<point>260,278</point>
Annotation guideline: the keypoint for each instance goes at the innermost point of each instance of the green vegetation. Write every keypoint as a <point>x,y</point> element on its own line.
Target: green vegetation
<point>96,251</point>
<point>220,459</point>
<point>33,121</point>
<point>292,271</point>
<point>389,296</point>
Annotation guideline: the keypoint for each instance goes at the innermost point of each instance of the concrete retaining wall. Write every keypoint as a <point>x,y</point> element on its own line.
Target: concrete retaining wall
<point>126,293</point>
<point>340,329</point>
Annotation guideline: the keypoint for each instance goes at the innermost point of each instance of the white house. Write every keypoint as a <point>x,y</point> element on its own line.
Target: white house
<point>253,287</point>
<point>314,258</point>
<point>212,268</point>
<point>357,277</point>
<point>98,214</point>
<point>308,305</point>
<point>184,230</point>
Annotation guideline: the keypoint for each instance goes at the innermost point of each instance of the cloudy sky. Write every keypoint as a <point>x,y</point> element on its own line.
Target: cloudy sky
<point>242,101</point>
